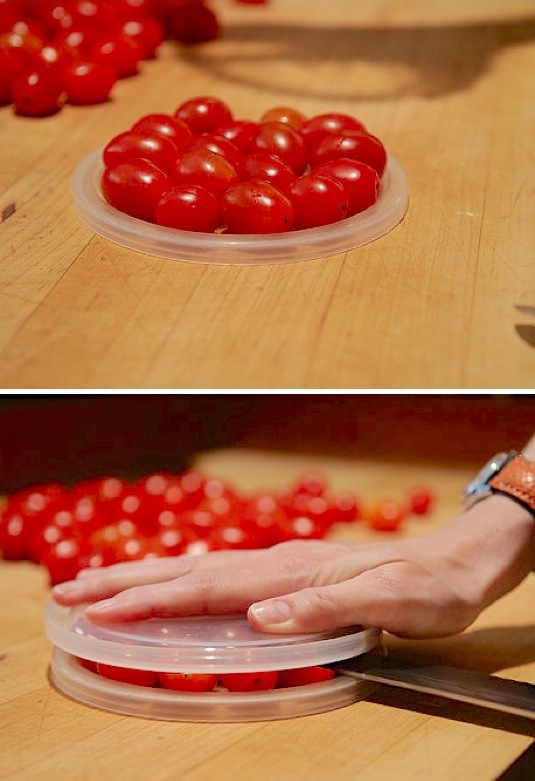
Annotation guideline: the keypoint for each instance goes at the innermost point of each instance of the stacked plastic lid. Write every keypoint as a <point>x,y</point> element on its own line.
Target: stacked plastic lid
<point>236,249</point>
<point>226,644</point>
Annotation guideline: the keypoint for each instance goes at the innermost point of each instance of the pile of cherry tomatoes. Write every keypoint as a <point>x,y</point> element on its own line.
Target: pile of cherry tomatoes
<point>205,682</point>
<point>57,51</point>
<point>101,521</point>
<point>202,169</point>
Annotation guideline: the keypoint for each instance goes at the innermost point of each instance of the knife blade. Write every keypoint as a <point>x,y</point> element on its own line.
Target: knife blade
<point>488,691</point>
<point>527,333</point>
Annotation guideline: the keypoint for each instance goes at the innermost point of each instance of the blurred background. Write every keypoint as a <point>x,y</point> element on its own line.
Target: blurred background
<point>71,437</point>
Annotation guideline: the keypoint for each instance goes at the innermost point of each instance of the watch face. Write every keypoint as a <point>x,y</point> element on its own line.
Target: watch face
<point>478,487</point>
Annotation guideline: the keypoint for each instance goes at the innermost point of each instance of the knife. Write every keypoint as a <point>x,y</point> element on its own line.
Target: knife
<point>487,691</point>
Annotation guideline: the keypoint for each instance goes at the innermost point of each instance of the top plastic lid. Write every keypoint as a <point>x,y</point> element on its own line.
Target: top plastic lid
<point>199,644</point>
<point>236,249</point>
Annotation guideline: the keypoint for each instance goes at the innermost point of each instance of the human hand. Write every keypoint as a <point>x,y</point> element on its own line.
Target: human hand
<point>412,587</point>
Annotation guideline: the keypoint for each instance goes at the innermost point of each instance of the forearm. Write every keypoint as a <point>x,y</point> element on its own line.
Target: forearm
<point>498,536</point>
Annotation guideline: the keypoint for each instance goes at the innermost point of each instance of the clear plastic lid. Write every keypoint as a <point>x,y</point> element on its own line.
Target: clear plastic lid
<point>236,249</point>
<point>204,644</point>
<point>82,685</point>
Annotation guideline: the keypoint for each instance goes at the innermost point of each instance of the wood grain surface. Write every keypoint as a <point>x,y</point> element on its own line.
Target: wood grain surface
<point>404,736</point>
<point>447,85</point>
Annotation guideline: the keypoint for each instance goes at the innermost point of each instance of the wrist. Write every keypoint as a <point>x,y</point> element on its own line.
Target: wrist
<point>498,537</point>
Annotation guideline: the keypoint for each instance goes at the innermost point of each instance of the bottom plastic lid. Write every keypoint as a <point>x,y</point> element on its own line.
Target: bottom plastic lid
<point>232,249</point>
<point>69,676</point>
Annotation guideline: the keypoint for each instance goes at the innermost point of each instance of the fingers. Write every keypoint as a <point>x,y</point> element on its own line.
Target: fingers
<point>384,597</point>
<point>105,582</point>
<point>208,585</point>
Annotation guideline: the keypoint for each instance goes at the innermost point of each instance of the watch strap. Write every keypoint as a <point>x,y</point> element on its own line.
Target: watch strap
<point>517,479</point>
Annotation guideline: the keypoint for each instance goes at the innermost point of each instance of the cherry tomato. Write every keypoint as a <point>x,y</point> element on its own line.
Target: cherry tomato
<point>136,144</point>
<point>355,144</point>
<point>205,169</point>
<point>188,207</point>
<point>37,93</point>
<point>249,682</point>
<point>268,168</point>
<point>188,682</point>
<point>64,559</point>
<point>204,114</point>
<point>286,115</point>
<point>302,676</point>
<point>316,128</point>
<point>420,500</point>
<point>166,125</point>
<point>120,53</point>
<point>242,133</point>
<point>193,23</point>
<point>87,83</point>
<point>283,141</point>
<point>220,146</point>
<point>386,515</point>
<point>135,188</point>
<point>317,200</point>
<point>148,32</point>
<point>127,675</point>
<point>256,207</point>
<point>360,181</point>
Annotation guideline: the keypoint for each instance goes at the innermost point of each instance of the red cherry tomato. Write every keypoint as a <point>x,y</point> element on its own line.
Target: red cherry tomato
<point>242,133</point>
<point>188,682</point>
<point>355,144</point>
<point>420,501</point>
<point>220,146</point>
<point>256,207</point>
<point>87,83</point>
<point>37,93</point>
<point>193,23</point>
<point>165,125</point>
<point>136,144</point>
<point>204,114</point>
<point>302,676</point>
<point>64,559</point>
<point>188,207</point>
<point>120,53</point>
<point>267,168</point>
<point>360,181</point>
<point>316,128</point>
<point>283,141</point>
<point>206,169</point>
<point>317,200</point>
<point>135,188</point>
<point>249,682</point>
<point>127,675</point>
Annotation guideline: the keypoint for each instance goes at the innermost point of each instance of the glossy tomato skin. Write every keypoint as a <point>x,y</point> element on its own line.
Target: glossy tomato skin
<point>241,132</point>
<point>360,181</point>
<point>135,188</point>
<point>188,207</point>
<point>318,200</point>
<point>206,169</point>
<point>37,93</point>
<point>281,140</point>
<point>420,500</point>
<point>355,144</point>
<point>268,168</point>
<point>316,128</point>
<point>256,207</point>
<point>188,682</point>
<point>219,145</point>
<point>132,145</point>
<point>204,114</point>
<point>386,515</point>
<point>166,125</point>
<point>87,83</point>
<point>303,676</point>
<point>285,114</point>
<point>193,23</point>
<point>127,675</point>
<point>249,682</point>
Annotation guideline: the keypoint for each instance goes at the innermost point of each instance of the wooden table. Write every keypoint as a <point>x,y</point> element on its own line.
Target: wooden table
<point>402,736</point>
<point>447,86</point>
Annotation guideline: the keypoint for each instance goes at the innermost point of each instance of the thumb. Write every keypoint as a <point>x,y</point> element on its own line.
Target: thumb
<point>314,609</point>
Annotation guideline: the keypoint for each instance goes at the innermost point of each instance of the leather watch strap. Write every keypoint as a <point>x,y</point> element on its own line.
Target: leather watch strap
<point>517,479</point>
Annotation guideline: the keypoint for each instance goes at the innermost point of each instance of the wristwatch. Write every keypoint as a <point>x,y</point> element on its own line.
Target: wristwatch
<point>509,473</point>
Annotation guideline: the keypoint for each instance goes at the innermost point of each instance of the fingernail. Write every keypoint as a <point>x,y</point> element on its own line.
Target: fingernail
<point>67,588</point>
<point>275,612</point>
